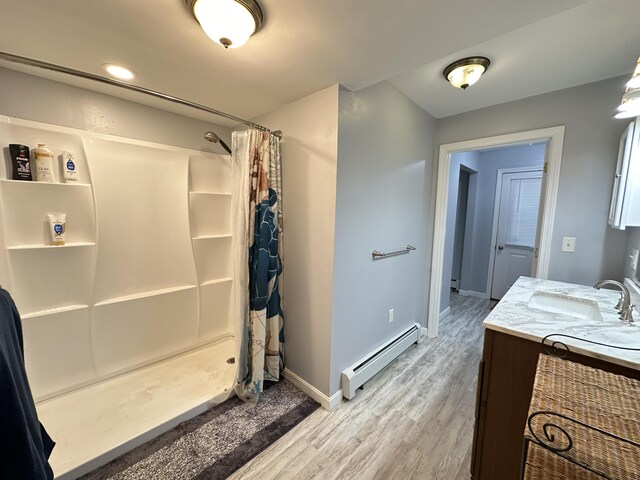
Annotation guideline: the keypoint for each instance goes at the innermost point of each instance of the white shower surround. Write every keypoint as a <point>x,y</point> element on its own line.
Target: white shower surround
<point>146,271</point>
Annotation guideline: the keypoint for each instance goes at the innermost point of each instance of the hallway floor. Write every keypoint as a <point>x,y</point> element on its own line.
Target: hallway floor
<point>414,420</point>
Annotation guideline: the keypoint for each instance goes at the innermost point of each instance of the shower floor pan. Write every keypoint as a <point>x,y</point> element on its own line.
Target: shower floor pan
<point>95,424</point>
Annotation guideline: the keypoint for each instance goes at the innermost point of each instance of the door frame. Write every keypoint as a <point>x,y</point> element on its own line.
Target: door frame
<point>555,138</point>
<point>496,209</point>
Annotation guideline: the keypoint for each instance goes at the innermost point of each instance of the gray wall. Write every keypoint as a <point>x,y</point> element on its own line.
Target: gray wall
<point>309,166</point>
<point>38,99</point>
<point>586,177</point>
<point>461,218</point>
<point>385,148</point>
<point>470,161</point>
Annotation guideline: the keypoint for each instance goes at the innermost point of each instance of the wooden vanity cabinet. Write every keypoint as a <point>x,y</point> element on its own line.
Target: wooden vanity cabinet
<point>505,382</point>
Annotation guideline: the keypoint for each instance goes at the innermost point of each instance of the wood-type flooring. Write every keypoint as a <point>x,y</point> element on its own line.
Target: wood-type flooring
<point>414,420</point>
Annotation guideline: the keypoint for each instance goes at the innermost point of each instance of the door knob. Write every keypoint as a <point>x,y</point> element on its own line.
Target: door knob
<point>500,247</point>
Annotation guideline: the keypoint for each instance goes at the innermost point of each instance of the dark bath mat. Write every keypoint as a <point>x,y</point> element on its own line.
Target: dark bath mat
<point>216,443</point>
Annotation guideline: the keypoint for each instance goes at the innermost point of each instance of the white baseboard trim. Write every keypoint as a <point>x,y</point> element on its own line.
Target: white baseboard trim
<point>473,293</point>
<point>445,312</point>
<point>423,334</point>
<point>328,403</point>
<point>335,400</point>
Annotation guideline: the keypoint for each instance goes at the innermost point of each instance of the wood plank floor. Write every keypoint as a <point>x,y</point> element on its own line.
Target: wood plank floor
<point>414,420</point>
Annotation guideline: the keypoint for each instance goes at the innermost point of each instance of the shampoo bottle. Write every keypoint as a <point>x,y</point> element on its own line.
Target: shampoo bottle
<point>44,164</point>
<point>20,160</point>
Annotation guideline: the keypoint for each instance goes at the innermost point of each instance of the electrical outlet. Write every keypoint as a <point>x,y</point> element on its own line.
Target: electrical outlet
<point>569,244</point>
<point>391,315</point>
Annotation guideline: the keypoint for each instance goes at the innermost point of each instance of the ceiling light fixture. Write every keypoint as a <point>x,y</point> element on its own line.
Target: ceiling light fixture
<point>630,105</point>
<point>119,72</point>
<point>229,23</point>
<point>466,71</point>
<point>635,79</point>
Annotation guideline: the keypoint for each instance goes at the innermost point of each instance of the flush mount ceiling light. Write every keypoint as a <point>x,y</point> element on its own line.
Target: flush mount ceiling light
<point>630,106</point>
<point>119,72</point>
<point>466,71</point>
<point>635,79</point>
<point>229,23</point>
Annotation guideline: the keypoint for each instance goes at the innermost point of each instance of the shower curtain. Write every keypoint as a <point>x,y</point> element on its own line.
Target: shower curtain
<point>257,217</point>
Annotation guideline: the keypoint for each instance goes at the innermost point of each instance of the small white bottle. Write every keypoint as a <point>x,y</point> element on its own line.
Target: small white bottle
<point>44,164</point>
<point>69,168</point>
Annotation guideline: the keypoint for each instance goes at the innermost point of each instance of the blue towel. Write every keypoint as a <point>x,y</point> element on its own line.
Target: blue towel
<point>25,446</point>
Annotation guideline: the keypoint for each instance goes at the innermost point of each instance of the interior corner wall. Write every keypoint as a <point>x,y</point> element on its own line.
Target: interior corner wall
<point>309,168</point>
<point>589,159</point>
<point>385,160</point>
<point>35,98</point>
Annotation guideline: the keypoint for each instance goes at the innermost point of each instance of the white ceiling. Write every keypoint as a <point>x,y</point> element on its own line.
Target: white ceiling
<point>306,46</point>
<point>594,41</point>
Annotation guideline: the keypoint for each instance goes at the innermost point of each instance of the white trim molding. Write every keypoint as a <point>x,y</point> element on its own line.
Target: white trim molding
<point>555,138</point>
<point>423,334</point>
<point>445,312</point>
<point>328,403</point>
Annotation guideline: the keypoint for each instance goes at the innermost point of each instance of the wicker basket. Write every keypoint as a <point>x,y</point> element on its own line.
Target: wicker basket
<point>543,464</point>
<point>588,417</point>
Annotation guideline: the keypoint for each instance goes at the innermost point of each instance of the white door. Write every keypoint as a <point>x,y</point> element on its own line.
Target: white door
<point>516,231</point>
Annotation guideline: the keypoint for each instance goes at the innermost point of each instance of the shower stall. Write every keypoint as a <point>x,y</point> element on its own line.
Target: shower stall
<point>129,326</point>
<point>132,326</point>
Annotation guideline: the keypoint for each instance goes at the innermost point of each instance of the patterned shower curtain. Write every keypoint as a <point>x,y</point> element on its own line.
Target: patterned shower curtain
<point>257,217</point>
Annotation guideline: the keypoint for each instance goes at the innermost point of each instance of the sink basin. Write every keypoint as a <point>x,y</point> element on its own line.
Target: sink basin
<point>565,305</point>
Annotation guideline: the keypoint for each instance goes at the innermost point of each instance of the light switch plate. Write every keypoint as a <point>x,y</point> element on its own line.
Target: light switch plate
<point>569,244</point>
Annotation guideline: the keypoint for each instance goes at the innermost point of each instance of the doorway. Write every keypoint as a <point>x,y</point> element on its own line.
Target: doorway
<point>548,197</point>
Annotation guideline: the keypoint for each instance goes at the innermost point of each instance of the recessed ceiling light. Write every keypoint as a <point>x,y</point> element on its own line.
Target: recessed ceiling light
<point>119,72</point>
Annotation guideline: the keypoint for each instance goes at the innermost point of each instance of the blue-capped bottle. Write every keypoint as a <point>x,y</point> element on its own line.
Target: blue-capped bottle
<point>69,167</point>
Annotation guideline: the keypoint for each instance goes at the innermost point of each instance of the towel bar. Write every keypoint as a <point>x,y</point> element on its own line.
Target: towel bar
<point>376,254</point>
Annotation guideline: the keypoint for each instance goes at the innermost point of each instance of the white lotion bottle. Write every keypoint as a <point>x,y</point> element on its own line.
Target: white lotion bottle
<point>69,167</point>
<point>44,164</point>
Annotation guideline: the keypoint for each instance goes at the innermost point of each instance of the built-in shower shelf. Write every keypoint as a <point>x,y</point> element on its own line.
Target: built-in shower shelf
<point>41,247</point>
<point>150,293</point>
<point>209,237</point>
<point>216,281</point>
<point>199,192</point>
<point>45,184</point>
<point>54,311</point>
<point>210,214</point>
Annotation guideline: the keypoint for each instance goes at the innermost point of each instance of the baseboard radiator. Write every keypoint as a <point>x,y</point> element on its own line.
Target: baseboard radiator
<point>365,368</point>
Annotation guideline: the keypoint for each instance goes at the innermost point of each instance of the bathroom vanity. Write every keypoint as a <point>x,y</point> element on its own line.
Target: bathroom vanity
<point>514,330</point>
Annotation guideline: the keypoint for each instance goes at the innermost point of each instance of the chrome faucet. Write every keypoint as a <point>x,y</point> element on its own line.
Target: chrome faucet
<point>625,309</point>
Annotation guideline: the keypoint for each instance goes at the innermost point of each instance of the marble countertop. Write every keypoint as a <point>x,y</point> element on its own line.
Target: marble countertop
<point>514,316</point>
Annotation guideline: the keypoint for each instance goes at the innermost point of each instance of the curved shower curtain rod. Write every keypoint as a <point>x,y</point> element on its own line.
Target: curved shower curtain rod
<point>31,62</point>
